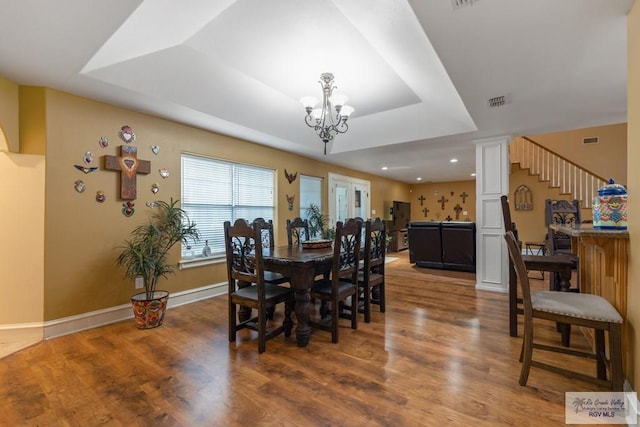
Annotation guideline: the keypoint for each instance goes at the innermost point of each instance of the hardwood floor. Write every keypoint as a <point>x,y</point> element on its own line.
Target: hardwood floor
<point>440,355</point>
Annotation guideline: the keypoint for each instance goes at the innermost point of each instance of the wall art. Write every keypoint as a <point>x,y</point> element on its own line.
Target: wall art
<point>129,167</point>
<point>164,172</point>
<point>127,209</point>
<point>79,186</point>
<point>290,176</point>
<point>290,200</point>
<point>126,134</point>
<point>154,188</point>
<point>100,197</point>
<point>103,142</point>
<point>155,149</point>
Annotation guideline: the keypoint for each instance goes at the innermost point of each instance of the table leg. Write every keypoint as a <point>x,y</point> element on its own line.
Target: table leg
<point>302,309</point>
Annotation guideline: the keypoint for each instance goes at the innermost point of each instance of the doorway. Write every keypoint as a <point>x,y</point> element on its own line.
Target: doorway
<point>348,198</point>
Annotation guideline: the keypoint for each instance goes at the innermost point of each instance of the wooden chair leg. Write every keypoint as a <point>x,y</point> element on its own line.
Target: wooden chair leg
<point>232,322</point>
<point>262,329</point>
<point>615,357</point>
<point>381,298</point>
<point>367,304</point>
<point>527,350</point>
<point>601,366</point>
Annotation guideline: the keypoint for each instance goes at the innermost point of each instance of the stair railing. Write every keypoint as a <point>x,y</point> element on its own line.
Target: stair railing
<point>558,171</point>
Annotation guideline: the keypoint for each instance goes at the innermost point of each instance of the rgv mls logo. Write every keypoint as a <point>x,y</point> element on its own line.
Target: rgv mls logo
<point>600,408</point>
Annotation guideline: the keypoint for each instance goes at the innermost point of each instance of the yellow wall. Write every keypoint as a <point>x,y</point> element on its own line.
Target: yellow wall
<point>607,158</point>
<point>531,223</point>
<point>451,191</point>
<point>9,116</point>
<point>22,231</point>
<point>82,236</point>
<point>633,178</point>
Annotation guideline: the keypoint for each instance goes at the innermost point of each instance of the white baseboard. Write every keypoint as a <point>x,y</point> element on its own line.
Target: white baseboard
<point>17,336</point>
<point>497,287</point>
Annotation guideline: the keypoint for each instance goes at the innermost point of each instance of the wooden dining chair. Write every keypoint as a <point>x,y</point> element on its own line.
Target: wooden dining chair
<point>556,265</point>
<point>585,310</point>
<point>563,212</point>
<point>267,241</point>
<point>247,287</point>
<point>297,231</point>
<point>371,274</point>
<point>335,290</point>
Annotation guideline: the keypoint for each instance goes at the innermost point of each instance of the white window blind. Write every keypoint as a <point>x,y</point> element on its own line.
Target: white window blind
<point>215,191</point>
<point>310,193</point>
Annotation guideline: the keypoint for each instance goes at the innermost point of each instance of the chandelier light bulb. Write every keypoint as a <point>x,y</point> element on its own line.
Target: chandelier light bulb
<point>331,118</point>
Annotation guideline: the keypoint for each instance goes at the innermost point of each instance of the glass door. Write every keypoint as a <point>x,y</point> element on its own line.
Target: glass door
<point>348,198</point>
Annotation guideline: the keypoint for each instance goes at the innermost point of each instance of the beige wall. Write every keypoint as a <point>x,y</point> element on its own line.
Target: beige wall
<point>607,158</point>
<point>8,116</point>
<point>451,191</point>
<point>531,223</point>
<point>81,236</point>
<point>22,231</point>
<point>633,178</point>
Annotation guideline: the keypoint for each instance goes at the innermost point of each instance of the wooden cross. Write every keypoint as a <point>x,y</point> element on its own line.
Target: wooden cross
<point>425,211</point>
<point>464,196</point>
<point>458,209</point>
<point>129,166</point>
<point>422,199</point>
<point>443,201</point>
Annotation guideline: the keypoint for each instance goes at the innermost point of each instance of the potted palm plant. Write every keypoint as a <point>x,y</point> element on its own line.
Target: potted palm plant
<point>145,254</point>
<point>319,223</point>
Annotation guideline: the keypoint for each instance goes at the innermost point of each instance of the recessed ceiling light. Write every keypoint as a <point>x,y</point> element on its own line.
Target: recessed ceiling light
<point>454,160</point>
<point>384,168</point>
<point>418,179</point>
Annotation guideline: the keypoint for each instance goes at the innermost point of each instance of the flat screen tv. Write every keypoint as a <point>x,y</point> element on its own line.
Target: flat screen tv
<point>401,215</point>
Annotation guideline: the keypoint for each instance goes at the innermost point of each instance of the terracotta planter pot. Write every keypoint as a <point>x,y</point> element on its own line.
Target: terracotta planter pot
<point>149,312</point>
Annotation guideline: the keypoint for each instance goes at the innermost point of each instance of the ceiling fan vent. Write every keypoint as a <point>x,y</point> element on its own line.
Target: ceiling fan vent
<point>591,140</point>
<point>457,4</point>
<point>497,101</point>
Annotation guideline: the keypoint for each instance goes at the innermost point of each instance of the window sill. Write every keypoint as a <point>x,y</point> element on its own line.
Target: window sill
<point>200,261</point>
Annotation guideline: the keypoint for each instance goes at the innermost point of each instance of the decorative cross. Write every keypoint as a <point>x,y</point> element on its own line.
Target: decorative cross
<point>129,166</point>
<point>422,199</point>
<point>425,211</point>
<point>448,218</point>
<point>464,196</point>
<point>458,209</point>
<point>442,201</point>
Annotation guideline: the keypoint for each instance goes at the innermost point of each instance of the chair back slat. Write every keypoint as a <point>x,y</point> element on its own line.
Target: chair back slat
<point>375,245</point>
<point>244,254</point>
<point>266,232</point>
<point>346,250</point>
<point>515,254</point>
<point>297,231</point>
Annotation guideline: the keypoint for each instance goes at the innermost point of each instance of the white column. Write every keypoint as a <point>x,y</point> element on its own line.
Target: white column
<point>492,181</point>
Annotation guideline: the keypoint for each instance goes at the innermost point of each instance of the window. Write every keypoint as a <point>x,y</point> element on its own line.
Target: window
<point>215,191</point>
<point>310,192</point>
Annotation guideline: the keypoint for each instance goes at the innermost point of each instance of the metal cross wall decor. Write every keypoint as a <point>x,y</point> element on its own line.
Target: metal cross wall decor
<point>422,199</point>
<point>442,201</point>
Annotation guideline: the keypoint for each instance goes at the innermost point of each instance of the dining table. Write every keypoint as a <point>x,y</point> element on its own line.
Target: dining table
<point>301,265</point>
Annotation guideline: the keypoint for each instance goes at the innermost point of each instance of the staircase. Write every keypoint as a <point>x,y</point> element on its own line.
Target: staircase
<point>561,173</point>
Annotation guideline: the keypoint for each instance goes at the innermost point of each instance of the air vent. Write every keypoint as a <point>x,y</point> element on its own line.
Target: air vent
<point>497,101</point>
<point>457,4</point>
<point>591,140</point>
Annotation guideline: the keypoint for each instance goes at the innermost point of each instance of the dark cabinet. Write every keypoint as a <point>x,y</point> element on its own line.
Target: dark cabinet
<point>425,244</point>
<point>399,240</point>
<point>444,245</point>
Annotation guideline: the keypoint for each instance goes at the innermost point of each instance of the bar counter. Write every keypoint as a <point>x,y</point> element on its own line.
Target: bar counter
<point>603,258</point>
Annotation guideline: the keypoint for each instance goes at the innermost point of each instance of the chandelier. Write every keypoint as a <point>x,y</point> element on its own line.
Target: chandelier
<point>331,118</point>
